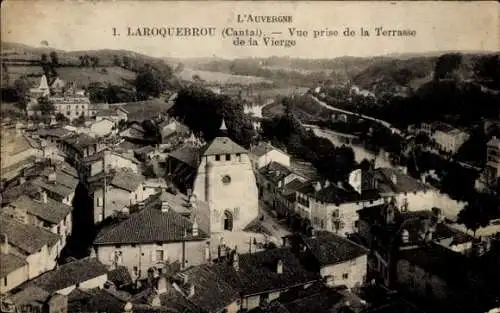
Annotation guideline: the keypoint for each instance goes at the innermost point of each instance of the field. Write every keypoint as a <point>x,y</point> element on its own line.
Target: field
<point>81,76</point>
<point>148,109</point>
<point>221,78</point>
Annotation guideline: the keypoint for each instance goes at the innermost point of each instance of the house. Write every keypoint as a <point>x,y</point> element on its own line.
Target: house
<point>38,246</point>
<point>43,212</point>
<point>182,165</point>
<point>87,273</point>
<point>272,180</point>
<point>411,194</point>
<point>341,262</point>
<point>493,161</point>
<point>79,146</point>
<point>35,299</point>
<point>170,128</point>
<point>59,182</point>
<point>333,207</point>
<point>264,153</point>
<point>262,277</point>
<point>161,236</point>
<point>115,114</point>
<point>102,127</point>
<point>123,189</point>
<point>93,164</point>
<point>134,132</point>
<point>448,138</point>
<point>16,153</point>
<point>13,268</point>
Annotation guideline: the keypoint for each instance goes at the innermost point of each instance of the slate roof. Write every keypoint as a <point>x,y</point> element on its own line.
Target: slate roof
<point>330,249</point>
<point>326,300</point>
<point>223,145</point>
<point>69,274</point>
<point>28,295</point>
<point>80,141</point>
<point>94,300</point>
<point>13,193</point>
<point>150,225</point>
<point>56,188</point>
<point>257,272</point>
<point>338,195</point>
<point>126,180</point>
<point>65,175</point>
<point>120,276</point>
<point>272,307</point>
<point>292,186</point>
<point>404,183</point>
<point>275,172</point>
<point>52,211</point>
<point>187,154</point>
<point>212,294</point>
<point>10,262</point>
<point>28,238</point>
<point>53,132</point>
<point>263,148</point>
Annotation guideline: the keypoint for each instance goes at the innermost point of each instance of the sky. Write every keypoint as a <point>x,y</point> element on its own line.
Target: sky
<point>82,25</point>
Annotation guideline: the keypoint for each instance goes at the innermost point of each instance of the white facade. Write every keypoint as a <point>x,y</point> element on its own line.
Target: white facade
<point>351,273</point>
<point>95,282</point>
<point>273,155</point>
<point>227,183</point>
<point>101,128</point>
<point>450,141</point>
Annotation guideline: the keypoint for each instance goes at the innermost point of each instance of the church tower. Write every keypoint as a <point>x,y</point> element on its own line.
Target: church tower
<point>225,180</point>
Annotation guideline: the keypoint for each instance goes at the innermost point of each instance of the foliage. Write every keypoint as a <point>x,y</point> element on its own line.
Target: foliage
<point>203,110</point>
<point>149,171</point>
<point>479,211</point>
<point>333,162</point>
<point>45,106</point>
<point>152,130</point>
<point>21,87</point>
<point>80,121</point>
<point>61,118</point>
<point>109,93</point>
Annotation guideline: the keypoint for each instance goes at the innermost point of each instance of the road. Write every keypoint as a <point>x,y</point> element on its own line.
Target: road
<point>271,224</point>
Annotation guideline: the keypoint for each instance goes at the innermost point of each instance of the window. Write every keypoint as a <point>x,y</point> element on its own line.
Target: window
<point>5,281</point>
<point>159,255</point>
<point>228,157</point>
<point>217,157</point>
<point>133,245</point>
<point>238,157</point>
<point>118,246</point>
<point>58,229</point>
<point>226,179</point>
<point>345,276</point>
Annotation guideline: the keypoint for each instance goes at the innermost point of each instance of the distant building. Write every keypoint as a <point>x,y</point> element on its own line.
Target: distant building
<point>102,127</point>
<point>226,181</point>
<point>93,165</point>
<point>264,153</point>
<point>448,138</point>
<point>161,236</point>
<point>66,98</point>
<point>59,182</point>
<point>79,146</point>
<point>493,161</point>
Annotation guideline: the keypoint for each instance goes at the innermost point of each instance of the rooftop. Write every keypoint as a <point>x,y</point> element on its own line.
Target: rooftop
<point>28,238</point>
<point>391,180</point>
<point>95,300</point>
<point>10,262</point>
<point>126,180</point>
<point>187,154</point>
<point>329,248</point>
<point>275,172</point>
<point>69,274</point>
<point>52,211</point>
<point>80,141</point>
<point>333,193</point>
<point>257,272</point>
<point>150,225</point>
<point>53,132</point>
<point>263,148</point>
<point>223,145</point>
<point>120,276</point>
<point>29,295</point>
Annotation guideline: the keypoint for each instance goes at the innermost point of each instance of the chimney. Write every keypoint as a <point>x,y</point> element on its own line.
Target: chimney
<point>43,196</point>
<point>128,308</point>
<point>4,245</point>
<point>191,291</point>
<point>317,186</point>
<point>195,228</point>
<point>161,286</point>
<point>52,177</point>
<point>394,179</point>
<point>279,267</point>
<point>236,259</point>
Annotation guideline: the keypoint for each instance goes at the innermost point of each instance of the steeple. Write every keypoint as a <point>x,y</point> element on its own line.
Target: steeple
<point>223,125</point>
<point>43,83</point>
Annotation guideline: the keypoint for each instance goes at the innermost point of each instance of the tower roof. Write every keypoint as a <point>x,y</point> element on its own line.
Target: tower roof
<point>43,83</point>
<point>224,145</point>
<point>223,125</point>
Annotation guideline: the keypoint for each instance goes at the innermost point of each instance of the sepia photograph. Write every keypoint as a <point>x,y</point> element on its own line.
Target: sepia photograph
<point>250,157</point>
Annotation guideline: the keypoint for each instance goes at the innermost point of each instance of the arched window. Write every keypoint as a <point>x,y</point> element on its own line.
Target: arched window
<point>228,220</point>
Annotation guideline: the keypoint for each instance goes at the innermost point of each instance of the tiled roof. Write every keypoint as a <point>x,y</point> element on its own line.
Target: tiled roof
<point>80,141</point>
<point>29,295</point>
<point>399,306</point>
<point>457,237</point>
<point>64,175</point>
<point>94,300</point>
<point>257,272</point>
<point>126,180</point>
<point>187,154</point>
<point>9,263</point>
<point>28,238</point>
<point>150,225</point>
<point>338,195</point>
<point>120,276</point>
<point>53,132</point>
<point>263,148</point>
<point>70,274</point>
<point>329,248</point>
<point>292,186</point>
<point>212,294</point>
<point>56,187</point>
<point>15,192</point>
<point>403,182</point>
<point>223,145</point>
<point>275,172</point>
<point>52,211</point>
<point>272,307</point>
<point>325,300</point>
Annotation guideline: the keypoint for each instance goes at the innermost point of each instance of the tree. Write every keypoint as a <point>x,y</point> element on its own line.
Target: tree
<point>149,171</point>
<point>79,121</point>
<point>61,118</point>
<point>148,83</point>
<point>54,58</point>
<point>117,61</point>
<point>126,62</point>
<point>45,106</point>
<point>94,60</point>
<point>21,87</point>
